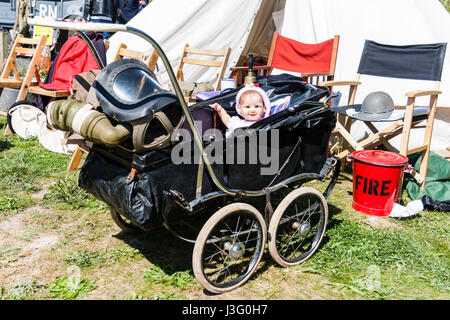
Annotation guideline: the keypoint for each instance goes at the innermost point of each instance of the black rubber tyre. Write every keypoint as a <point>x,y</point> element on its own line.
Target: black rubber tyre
<point>123,223</point>
<point>297,226</point>
<point>229,247</point>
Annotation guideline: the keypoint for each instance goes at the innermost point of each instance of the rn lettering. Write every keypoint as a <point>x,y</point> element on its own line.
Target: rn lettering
<point>372,186</point>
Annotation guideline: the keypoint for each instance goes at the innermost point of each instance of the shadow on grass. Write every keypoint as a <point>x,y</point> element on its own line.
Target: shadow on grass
<point>161,248</point>
<point>267,260</point>
<point>332,222</point>
<point>5,145</point>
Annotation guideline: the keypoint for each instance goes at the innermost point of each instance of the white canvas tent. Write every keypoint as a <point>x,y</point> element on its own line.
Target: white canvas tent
<point>248,26</point>
<point>204,24</point>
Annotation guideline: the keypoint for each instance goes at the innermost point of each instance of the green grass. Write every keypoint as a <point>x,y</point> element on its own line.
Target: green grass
<point>11,204</point>
<point>66,194</point>
<point>352,249</point>
<point>180,279</point>
<point>401,259</point>
<point>69,288</point>
<point>25,291</point>
<point>85,258</point>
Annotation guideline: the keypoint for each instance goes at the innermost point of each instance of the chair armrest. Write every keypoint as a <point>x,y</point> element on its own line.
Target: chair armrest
<point>246,68</point>
<point>239,68</point>
<point>420,93</point>
<point>316,74</point>
<point>339,83</point>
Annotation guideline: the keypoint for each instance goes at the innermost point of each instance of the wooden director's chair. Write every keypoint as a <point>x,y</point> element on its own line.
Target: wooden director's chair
<point>313,62</point>
<point>124,52</point>
<point>217,59</point>
<point>419,62</point>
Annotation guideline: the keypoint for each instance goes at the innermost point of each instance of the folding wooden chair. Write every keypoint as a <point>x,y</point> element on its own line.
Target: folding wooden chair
<point>21,47</point>
<point>150,60</point>
<point>65,75</point>
<point>313,62</point>
<point>213,61</point>
<point>419,62</point>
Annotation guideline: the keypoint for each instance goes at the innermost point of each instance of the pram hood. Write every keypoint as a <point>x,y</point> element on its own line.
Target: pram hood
<point>128,90</point>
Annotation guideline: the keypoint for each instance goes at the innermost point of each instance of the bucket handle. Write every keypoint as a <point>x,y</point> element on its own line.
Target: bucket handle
<point>380,153</point>
<point>409,169</point>
<point>412,171</point>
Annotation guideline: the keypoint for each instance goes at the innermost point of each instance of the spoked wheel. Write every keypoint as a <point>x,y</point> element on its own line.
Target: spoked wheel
<point>229,247</point>
<point>123,223</point>
<point>297,226</point>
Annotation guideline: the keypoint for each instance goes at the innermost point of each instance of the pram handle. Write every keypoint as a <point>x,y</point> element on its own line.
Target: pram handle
<point>325,106</point>
<point>329,98</point>
<point>77,26</point>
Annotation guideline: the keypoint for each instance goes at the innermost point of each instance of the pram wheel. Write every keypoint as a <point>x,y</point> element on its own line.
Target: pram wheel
<point>297,226</point>
<point>229,247</point>
<point>122,222</point>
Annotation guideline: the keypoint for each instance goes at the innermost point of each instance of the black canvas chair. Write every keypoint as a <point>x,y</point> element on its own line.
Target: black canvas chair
<point>419,62</point>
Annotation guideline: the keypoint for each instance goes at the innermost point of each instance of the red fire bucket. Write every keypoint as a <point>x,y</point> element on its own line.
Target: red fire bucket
<point>376,178</point>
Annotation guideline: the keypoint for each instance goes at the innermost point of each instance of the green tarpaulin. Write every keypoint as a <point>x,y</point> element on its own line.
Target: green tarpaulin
<point>437,181</point>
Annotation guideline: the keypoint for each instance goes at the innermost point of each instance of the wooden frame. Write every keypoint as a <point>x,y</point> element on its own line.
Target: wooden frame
<point>124,52</point>
<point>77,155</point>
<point>53,94</point>
<point>312,78</point>
<point>221,64</point>
<point>16,81</point>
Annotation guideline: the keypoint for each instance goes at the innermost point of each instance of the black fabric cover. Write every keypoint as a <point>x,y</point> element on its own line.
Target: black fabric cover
<point>143,201</point>
<point>435,205</point>
<point>420,62</point>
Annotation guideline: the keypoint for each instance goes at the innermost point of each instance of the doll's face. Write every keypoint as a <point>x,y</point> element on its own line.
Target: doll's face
<point>251,106</point>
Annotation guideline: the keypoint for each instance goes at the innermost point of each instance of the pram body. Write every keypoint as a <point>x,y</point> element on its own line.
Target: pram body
<point>146,190</point>
<point>159,180</point>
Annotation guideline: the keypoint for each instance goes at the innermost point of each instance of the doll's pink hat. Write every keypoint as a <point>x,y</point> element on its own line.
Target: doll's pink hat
<point>262,93</point>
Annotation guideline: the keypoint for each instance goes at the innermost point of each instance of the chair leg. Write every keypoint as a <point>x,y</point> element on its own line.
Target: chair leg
<point>4,114</point>
<point>427,140</point>
<point>407,122</point>
<point>7,130</point>
<point>349,143</point>
<point>76,158</point>
<point>32,69</point>
<point>346,125</point>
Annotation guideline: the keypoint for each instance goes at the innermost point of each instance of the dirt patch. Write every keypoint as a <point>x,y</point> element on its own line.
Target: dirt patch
<point>41,242</point>
<point>22,249</point>
<point>12,225</point>
<point>381,222</point>
<point>40,194</point>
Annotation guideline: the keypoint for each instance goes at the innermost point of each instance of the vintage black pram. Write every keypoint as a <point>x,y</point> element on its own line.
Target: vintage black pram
<point>175,164</point>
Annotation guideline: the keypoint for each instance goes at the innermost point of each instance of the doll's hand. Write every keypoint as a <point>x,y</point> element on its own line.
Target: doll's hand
<point>217,107</point>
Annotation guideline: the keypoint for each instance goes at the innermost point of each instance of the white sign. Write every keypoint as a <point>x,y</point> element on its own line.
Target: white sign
<point>47,10</point>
